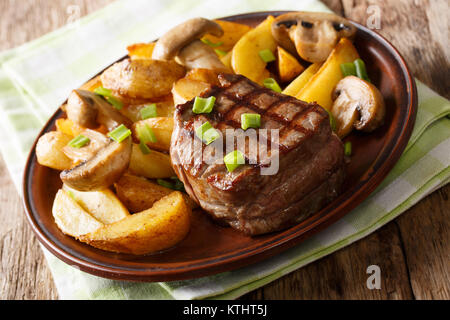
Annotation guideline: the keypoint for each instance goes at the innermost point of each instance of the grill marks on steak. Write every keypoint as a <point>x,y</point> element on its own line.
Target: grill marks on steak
<point>311,166</point>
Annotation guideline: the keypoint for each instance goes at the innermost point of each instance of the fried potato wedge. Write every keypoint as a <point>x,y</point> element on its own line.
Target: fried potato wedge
<point>49,150</point>
<point>299,83</point>
<point>102,205</point>
<point>186,89</point>
<point>141,50</point>
<point>288,65</point>
<point>162,127</point>
<point>322,84</point>
<point>139,194</point>
<point>164,108</point>
<point>154,165</point>
<point>226,60</point>
<point>70,217</point>
<point>142,78</point>
<point>232,32</point>
<point>158,228</point>
<point>203,75</point>
<point>245,58</point>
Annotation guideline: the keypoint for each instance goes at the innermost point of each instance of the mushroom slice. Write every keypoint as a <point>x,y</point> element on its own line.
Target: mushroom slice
<point>311,34</point>
<point>357,104</point>
<point>102,170</point>
<point>89,110</point>
<point>97,141</point>
<point>199,55</point>
<point>168,46</point>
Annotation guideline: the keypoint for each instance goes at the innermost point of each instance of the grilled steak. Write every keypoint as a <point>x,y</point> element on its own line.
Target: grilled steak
<point>311,158</point>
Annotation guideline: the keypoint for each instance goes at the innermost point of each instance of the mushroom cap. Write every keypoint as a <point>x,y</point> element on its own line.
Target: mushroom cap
<point>358,104</point>
<point>311,34</point>
<point>89,110</point>
<point>168,46</point>
<point>198,55</point>
<point>102,170</point>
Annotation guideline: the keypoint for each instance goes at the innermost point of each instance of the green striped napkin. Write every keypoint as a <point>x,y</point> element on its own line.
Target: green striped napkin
<point>36,77</point>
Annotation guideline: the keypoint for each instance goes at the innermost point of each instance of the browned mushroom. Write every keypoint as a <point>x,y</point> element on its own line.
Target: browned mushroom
<point>97,141</point>
<point>90,110</point>
<point>102,170</point>
<point>357,104</point>
<point>182,43</point>
<point>311,34</point>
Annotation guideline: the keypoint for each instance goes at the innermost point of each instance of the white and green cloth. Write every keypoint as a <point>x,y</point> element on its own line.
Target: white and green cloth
<point>37,77</point>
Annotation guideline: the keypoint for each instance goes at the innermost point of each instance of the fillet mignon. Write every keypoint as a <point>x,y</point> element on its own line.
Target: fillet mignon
<point>311,158</point>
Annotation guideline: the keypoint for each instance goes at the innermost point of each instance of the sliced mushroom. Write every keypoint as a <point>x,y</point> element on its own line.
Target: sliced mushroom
<point>90,110</point>
<point>311,34</point>
<point>97,141</point>
<point>168,46</point>
<point>357,104</point>
<point>102,170</point>
<point>182,43</point>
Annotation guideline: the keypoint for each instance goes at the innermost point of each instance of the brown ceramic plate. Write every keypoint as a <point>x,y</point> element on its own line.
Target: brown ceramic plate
<point>209,248</point>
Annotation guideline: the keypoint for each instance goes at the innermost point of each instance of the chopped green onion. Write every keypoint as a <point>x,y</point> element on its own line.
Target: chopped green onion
<point>271,83</point>
<point>233,160</point>
<point>361,69</point>
<point>149,111</point>
<point>332,120</point>
<point>144,148</point>
<point>348,69</point>
<point>165,183</point>
<point>203,105</point>
<point>79,141</point>
<point>267,55</point>
<point>178,184</point>
<point>212,44</point>
<point>250,120</point>
<point>448,116</point>
<point>220,52</point>
<point>120,133</point>
<point>107,94</point>
<point>348,148</point>
<point>207,133</point>
<point>146,134</point>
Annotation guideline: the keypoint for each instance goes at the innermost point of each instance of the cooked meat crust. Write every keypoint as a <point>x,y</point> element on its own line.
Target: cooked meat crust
<point>311,158</point>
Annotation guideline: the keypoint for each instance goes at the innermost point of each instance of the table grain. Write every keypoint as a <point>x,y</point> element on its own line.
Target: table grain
<point>412,251</point>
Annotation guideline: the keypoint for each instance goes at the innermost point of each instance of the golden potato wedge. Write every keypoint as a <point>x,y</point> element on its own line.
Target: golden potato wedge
<point>71,218</point>
<point>203,75</point>
<point>139,194</point>
<point>321,85</point>
<point>92,84</point>
<point>232,32</point>
<point>141,50</point>
<point>298,83</point>
<point>164,108</point>
<point>226,60</point>
<point>245,58</point>
<point>162,127</point>
<point>158,228</point>
<point>142,78</point>
<point>49,150</point>
<point>154,165</point>
<point>186,89</point>
<point>288,65</point>
<point>102,205</point>
<point>68,127</point>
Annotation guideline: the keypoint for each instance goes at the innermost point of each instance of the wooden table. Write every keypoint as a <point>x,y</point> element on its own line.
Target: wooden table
<point>412,251</point>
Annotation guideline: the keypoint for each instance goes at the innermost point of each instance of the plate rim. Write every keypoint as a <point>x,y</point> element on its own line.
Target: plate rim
<point>284,240</point>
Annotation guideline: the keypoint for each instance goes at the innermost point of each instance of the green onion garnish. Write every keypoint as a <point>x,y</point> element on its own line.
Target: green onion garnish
<point>212,44</point>
<point>348,69</point>
<point>79,141</point>
<point>146,134</point>
<point>267,55</point>
<point>149,111</point>
<point>107,94</point>
<point>250,120</point>
<point>271,83</point>
<point>120,133</point>
<point>332,121</point>
<point>220,52</point>
<point>178,184</point>
<point>203,105</point>
<point>207,133</point>
<point>144,148</point>
<point>348,148</point>
<point>233,160</point>
<point>361,69</point>
<point>165,183</point>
